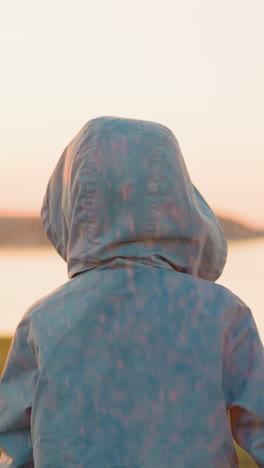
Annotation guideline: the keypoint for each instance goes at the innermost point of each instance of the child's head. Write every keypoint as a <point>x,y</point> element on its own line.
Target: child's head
<point>121,189</point>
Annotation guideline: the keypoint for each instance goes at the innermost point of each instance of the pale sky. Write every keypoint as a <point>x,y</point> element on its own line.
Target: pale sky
<point>196,66</point>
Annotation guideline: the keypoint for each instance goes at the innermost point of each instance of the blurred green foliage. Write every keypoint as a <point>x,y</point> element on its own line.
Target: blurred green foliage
<point>245,461</point>
<point>5,343</point>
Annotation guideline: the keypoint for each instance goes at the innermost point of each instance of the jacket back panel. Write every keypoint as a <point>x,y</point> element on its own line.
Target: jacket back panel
<point>131,364</point>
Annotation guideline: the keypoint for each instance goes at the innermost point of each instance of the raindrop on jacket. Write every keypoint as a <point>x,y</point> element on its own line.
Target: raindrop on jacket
<point>135,361</point>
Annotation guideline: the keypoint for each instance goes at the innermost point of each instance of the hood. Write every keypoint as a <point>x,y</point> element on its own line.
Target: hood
<point>121,190</point>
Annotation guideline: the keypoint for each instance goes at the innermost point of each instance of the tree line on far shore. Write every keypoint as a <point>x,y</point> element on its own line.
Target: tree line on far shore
<point>28,232</point>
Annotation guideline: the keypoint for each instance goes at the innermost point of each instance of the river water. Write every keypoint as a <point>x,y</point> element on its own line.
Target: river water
<point>28,274</point>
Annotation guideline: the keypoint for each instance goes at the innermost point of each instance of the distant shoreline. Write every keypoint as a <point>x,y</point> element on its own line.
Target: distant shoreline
<point>27,232</point>
<point>235,230</point>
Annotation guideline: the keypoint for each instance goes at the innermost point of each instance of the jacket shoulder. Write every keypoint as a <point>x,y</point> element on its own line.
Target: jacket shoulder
<point>52,298</point>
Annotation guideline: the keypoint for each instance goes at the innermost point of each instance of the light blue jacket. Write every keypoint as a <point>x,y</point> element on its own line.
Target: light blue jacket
<point>134,362</point>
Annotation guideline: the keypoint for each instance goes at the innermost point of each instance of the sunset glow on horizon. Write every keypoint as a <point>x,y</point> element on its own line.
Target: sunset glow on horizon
<point>194,66</point>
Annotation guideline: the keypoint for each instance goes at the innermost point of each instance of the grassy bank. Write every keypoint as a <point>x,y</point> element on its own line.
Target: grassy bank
<point>4,347</point>
<point>244,459</point>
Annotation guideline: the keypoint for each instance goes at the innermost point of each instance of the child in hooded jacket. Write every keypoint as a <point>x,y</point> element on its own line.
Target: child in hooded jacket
<point>137,360</point>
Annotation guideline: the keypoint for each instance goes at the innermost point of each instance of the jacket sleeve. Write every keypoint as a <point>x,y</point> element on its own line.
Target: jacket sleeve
<point>16,391</point>
<point>243,382</point>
